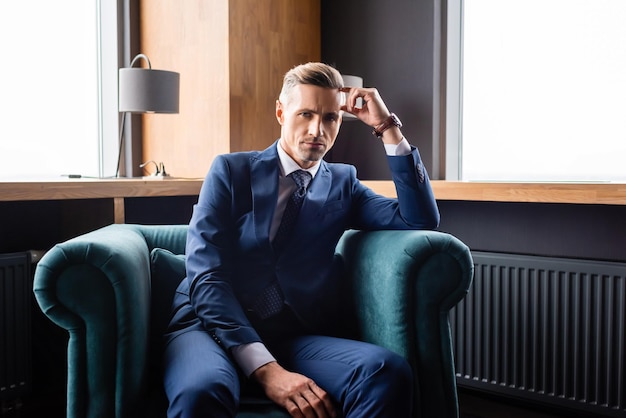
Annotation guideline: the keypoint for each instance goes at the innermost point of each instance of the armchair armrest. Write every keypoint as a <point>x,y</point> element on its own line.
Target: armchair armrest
<point>404,284</point>
<point>97,287</point>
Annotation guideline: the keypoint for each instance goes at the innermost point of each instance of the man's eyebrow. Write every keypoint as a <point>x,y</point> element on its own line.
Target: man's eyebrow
<point>306,109</point>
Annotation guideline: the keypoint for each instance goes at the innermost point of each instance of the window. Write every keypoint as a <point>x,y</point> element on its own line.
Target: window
<point>539,92</point>
<point>54,76</point>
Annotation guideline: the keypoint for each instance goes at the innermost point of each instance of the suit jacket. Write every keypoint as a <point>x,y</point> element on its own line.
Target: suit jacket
<point>230,259</point>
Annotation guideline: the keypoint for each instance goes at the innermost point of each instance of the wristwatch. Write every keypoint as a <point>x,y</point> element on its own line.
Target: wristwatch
<point>392,120</point>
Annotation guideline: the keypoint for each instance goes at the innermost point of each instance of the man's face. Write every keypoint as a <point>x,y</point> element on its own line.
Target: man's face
<point>310,122</point>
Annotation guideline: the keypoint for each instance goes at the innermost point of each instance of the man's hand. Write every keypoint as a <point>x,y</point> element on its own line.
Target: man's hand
<point>373,111</point>
<point>298,394</point>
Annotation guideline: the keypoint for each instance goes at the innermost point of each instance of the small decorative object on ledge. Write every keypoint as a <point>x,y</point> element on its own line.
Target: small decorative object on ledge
<point>159,172</point>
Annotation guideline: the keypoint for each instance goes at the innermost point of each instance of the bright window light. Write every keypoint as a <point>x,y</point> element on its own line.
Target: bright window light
<point>543,90</point>
<point>49,119</point>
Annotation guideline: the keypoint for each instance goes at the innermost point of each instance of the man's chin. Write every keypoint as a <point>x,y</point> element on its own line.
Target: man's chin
<point>313,156</point>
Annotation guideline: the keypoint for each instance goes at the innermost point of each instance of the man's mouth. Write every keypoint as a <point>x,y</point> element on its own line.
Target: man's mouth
<point>315,144</point>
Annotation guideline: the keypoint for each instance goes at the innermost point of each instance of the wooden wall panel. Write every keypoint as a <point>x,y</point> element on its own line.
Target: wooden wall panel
<point>231,56</point>
<point>267,38</point>
<point>190,37</point>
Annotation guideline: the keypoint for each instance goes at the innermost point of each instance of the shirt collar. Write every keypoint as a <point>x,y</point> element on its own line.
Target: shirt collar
<point>288,165</point>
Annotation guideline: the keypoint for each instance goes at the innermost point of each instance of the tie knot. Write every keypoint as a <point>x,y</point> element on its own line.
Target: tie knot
<point>301,178</point>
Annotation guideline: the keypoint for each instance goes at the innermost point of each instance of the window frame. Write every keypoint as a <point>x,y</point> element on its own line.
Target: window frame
<point>453,90</point>
<point>109,49</point>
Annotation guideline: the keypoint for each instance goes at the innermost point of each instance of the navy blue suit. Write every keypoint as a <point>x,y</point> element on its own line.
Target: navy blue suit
<point>230,259</point>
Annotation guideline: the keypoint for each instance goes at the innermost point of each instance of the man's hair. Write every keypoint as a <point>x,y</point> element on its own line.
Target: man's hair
<point>313,73</point>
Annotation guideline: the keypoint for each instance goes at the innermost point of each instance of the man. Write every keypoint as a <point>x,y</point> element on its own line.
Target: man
<point>261,301</point>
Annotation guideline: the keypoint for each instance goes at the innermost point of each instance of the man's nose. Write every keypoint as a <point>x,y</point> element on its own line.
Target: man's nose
<point>316,128</point>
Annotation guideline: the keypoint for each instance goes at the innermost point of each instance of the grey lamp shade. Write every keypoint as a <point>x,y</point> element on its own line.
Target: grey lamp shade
<point>144,90</point>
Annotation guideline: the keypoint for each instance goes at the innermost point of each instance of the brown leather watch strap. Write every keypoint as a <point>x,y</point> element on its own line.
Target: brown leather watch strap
<point>392,120</point>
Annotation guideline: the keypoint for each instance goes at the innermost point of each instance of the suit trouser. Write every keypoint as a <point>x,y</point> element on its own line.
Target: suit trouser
<point>365,380</point>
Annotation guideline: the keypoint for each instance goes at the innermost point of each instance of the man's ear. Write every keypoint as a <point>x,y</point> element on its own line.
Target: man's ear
<point>279,112</point>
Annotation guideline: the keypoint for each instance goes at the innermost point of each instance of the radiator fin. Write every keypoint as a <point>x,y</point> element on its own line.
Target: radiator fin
<point>546,329</point>
<point>15,325</point>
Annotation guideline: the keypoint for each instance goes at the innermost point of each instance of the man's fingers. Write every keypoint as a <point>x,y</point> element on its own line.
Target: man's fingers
<point>298,394</point>
<point>325,399</point>
<point>294,409</point>
<point>319,400</point>
<point>311,403</point>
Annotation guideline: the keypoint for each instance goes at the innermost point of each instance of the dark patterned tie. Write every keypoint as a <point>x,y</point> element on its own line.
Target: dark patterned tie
<point>271,300</point>
<point>302,179</point>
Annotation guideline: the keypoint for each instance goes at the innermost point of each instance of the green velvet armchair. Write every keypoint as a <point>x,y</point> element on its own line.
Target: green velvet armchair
<point>111,290</point>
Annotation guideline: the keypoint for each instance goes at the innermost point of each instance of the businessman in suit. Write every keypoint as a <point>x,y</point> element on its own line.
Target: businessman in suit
<point>261,297</point>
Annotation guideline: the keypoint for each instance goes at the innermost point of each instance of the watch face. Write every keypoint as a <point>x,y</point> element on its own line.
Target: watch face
<point>395,121</point>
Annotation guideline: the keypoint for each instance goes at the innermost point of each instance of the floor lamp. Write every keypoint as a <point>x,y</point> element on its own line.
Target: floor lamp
<point>144,90</point>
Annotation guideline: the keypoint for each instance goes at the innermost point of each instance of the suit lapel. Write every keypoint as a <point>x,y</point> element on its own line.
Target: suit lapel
<point>264,168</point>
<point>318,194</point>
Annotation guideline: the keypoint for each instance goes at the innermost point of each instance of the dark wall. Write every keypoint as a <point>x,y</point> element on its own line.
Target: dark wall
<point>390,45</point>
<point>173,210</point>
<point>556,230</point>
<point>38,225</point>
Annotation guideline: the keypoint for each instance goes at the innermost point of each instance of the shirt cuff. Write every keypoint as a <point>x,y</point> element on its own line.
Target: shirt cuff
<point>403,148</point>
<point>251,356</point>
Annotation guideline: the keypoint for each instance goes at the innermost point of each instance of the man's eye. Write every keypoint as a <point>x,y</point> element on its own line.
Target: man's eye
<point>332,118</point>
<point>305,114</point>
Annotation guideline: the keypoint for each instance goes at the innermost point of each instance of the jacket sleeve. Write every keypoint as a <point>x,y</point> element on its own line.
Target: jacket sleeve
<point>211,254</point>
<point>415,206</point>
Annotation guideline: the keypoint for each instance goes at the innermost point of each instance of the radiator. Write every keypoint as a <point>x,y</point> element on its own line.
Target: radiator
<point>546,330</point>
<point>15,325</point>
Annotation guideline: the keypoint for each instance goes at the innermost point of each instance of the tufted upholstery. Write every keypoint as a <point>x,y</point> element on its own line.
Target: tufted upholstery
<point>111,292</point>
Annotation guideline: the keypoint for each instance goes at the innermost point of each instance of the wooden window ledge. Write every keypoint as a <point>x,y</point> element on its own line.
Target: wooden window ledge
<point>574,193</point>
